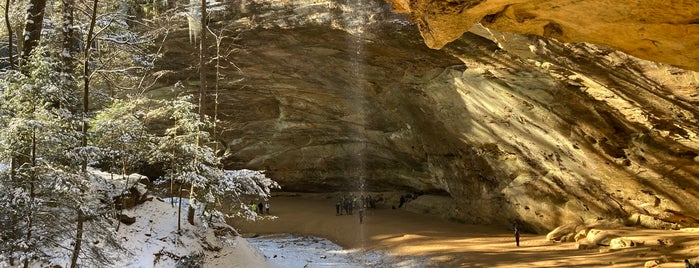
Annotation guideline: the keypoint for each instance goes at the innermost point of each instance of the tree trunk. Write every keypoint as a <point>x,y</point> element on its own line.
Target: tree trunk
<point>83,142</point>
<point>172,179</point>
<point>179,211</point>
<point>86,80</point>
<point>202,60</point>
<point>191,210</point>
<point>32,30</point>
<point>78,240</point>
<point>9,34</point>
<point>202,95</point>
<point>69,43</point>
<point>32,195</point>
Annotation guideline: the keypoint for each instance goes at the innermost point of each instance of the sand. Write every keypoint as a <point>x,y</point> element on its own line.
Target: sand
<point>405,234</point>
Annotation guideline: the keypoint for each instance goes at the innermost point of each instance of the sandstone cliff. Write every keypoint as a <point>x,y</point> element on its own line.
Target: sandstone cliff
<point>663,31</point>
<point>345,95</point>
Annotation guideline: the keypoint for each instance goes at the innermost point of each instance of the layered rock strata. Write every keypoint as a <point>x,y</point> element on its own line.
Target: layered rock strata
<point>345,96</point>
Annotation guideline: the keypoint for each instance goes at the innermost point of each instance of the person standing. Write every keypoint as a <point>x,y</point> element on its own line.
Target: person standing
<point>337,208</point>
<point>516,235</point>
<point>361,215</point>
<point>267,207</point>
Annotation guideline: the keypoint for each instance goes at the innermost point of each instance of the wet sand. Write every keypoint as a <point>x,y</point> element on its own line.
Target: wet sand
<point>406,234</point>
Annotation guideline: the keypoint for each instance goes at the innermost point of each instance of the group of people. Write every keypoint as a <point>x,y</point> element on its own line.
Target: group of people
<point>260,208</point>
<point>346,205</point>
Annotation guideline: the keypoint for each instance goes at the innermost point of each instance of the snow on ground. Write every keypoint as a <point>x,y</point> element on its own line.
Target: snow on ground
<point>287,250</point>
<point>153,241</point>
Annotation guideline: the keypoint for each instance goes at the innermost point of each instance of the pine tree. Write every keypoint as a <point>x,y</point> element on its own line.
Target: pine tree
<point>119,132</point>
<point>48,191</point>
<point>189,160</point>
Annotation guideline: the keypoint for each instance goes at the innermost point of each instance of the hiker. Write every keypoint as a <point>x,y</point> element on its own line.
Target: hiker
<point>516,235</point>
<point>346,204</point>
<point>267,207</point>
<point>253,207</point>
<point>354,204</point>
<point>337,208</point>
<point>361,215</point>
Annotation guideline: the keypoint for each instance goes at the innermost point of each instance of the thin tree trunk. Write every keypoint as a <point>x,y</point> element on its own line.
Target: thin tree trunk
<point>78,240</point>
<point>179,211</point>
<point>9,34</point>
<point>86,80</point>
<point>202,96</point>
<point>32,195</point>
<point>172,179</point>
<point>30,217</point>
<point>83,142</point>
<point>190,210</point>
<point>202,59</point>
<point>126,189</point>
<point>32,30</point>
<point>219,39</point>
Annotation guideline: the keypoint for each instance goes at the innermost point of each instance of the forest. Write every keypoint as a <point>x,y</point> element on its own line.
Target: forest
<point>74,101</point>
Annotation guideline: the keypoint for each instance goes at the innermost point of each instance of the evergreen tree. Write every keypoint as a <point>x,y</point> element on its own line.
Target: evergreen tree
<point>48,190</point>
<point>190,162</point>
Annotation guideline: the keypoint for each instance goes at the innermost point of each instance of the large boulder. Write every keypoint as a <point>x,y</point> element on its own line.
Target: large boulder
<point>563,233</point>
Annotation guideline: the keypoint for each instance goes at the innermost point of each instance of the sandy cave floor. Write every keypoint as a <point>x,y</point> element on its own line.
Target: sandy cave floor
<point>448,244</point>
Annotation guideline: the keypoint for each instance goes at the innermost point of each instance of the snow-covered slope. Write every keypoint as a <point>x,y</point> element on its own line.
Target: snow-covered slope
<point>153,241</point>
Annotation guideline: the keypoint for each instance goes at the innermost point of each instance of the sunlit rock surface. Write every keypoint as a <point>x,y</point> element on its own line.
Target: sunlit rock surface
<point>331,96</point>
<point>663,31</point>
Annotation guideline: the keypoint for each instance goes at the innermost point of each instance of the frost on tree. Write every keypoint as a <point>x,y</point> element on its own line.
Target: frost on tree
<point>237,185</point>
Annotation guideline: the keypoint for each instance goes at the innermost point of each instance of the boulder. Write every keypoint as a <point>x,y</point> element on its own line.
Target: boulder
<point>653,263</point>
<point>562,233</point>
<point>582,234</point>
<point>620,242</point>
<point>647,221</point>
<point>126,219</point>
<point>600,237</point>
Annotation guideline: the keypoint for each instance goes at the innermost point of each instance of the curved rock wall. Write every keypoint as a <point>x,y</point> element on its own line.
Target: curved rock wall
<point>511,127</point>
<point>663,31</point>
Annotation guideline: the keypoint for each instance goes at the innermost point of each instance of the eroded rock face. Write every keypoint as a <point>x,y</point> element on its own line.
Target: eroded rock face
<point>663,31</point>
<point>339,95</point>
